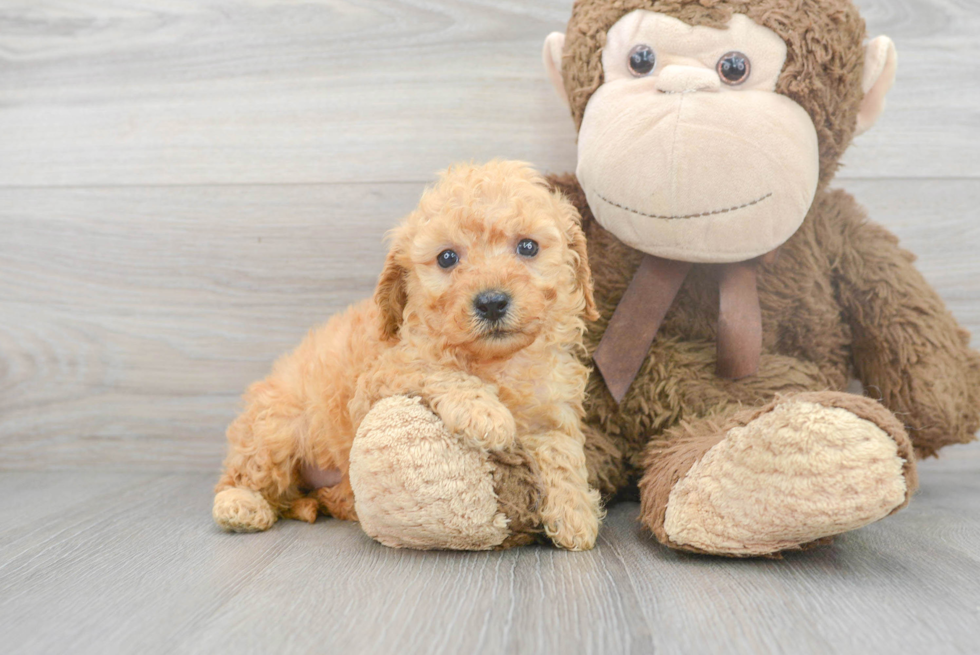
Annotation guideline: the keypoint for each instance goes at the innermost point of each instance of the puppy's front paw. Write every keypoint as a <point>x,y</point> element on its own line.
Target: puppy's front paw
<point>488,423</point>
<point>575,528</point>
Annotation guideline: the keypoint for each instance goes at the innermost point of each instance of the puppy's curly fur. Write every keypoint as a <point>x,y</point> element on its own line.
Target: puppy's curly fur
<point>493,382</point>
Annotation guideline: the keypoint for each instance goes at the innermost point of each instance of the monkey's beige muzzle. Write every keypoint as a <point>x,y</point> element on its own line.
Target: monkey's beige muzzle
<point>705,176</point>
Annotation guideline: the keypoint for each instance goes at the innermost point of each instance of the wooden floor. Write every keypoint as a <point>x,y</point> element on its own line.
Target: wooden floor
<point>187,186</point>
<point>130,562</point>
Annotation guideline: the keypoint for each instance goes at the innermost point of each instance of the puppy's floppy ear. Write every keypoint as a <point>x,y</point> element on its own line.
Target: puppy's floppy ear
<point>391,295</point>
<point>578,245</point>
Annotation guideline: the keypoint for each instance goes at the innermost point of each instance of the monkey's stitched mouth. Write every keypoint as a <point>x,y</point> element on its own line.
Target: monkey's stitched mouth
<point>675,218</point>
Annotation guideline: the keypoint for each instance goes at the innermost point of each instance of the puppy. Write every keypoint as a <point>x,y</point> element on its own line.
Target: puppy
<point>479,311</point>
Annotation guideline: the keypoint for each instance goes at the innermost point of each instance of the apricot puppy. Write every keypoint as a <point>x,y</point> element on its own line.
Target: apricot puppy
<point>479,312</point>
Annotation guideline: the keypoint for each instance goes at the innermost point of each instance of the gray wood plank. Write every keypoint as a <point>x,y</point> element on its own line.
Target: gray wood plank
<point>931,123</point>
<point>939,221</point>
<point>143,570</point>
<point>31,502</point>
<point>102,92</point>
<point>131,319</point>
<point>127,570</point>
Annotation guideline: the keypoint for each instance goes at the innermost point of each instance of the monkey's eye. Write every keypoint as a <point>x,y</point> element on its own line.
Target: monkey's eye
<point>447,258</point>
<point>642,60</point>
<point>734,68</point>
<point>527,248</point>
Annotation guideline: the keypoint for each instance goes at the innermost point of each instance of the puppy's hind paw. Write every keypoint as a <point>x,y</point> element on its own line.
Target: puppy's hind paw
<point>242,510</point>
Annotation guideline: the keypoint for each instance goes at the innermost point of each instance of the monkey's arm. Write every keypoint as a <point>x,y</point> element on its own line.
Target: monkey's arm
<point>907,347</point>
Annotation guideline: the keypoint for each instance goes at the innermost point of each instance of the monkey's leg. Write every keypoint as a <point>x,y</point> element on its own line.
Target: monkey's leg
<point>803,468</point>
<point>908,347</point>
<point>417,485</point>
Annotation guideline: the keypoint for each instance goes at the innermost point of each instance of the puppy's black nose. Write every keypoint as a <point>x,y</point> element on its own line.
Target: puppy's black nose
<point>491,305</point>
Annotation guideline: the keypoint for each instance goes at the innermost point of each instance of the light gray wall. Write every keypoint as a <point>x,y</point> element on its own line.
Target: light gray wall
<point>187,187</point>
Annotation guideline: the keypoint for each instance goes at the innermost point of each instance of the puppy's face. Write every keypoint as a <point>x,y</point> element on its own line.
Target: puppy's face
<point>489,262</point>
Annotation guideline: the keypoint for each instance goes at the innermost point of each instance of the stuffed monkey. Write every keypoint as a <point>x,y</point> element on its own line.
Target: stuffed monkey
<point>738,296</point>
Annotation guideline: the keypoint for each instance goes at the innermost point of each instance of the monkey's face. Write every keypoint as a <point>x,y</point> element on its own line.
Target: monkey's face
<point>686,151</point>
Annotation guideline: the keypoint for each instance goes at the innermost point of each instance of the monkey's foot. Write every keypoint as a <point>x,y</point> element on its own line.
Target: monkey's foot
<point>803,469</point>
<point>418,485</point>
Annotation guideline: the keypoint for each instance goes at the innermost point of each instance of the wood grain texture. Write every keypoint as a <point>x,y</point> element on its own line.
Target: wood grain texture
<point>132,318</point>
<point>131,563</point>
<point>187,186</point>
<point>105,92</point>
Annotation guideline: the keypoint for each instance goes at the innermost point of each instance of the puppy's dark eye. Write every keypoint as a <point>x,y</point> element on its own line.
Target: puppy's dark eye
<point>447,258</point>
<point>734,68</point>
<point>527,248</point>
<point>642,60</point>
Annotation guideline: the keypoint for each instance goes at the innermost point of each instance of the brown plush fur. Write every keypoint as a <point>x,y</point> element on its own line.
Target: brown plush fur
<point>841,299</point>
<point>517,484</point>
<point>517,384</point>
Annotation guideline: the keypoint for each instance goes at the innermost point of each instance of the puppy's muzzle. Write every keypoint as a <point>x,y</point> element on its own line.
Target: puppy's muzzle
<point>491,306</point>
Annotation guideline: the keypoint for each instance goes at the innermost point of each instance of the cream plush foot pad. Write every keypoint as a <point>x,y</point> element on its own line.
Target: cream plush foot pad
<point>800,472</point>
<point>416,486</point>
<point>242,510</point>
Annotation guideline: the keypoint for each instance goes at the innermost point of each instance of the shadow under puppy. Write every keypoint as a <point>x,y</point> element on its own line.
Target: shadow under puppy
<point>478,312</point>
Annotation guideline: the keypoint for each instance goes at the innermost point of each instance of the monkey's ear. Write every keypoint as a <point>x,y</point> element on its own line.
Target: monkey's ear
<point>880,64</point>
<point>391,295</point>
<point>551,54</point>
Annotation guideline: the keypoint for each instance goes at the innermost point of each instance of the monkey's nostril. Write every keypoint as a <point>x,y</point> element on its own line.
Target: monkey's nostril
<point>491,305</point>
